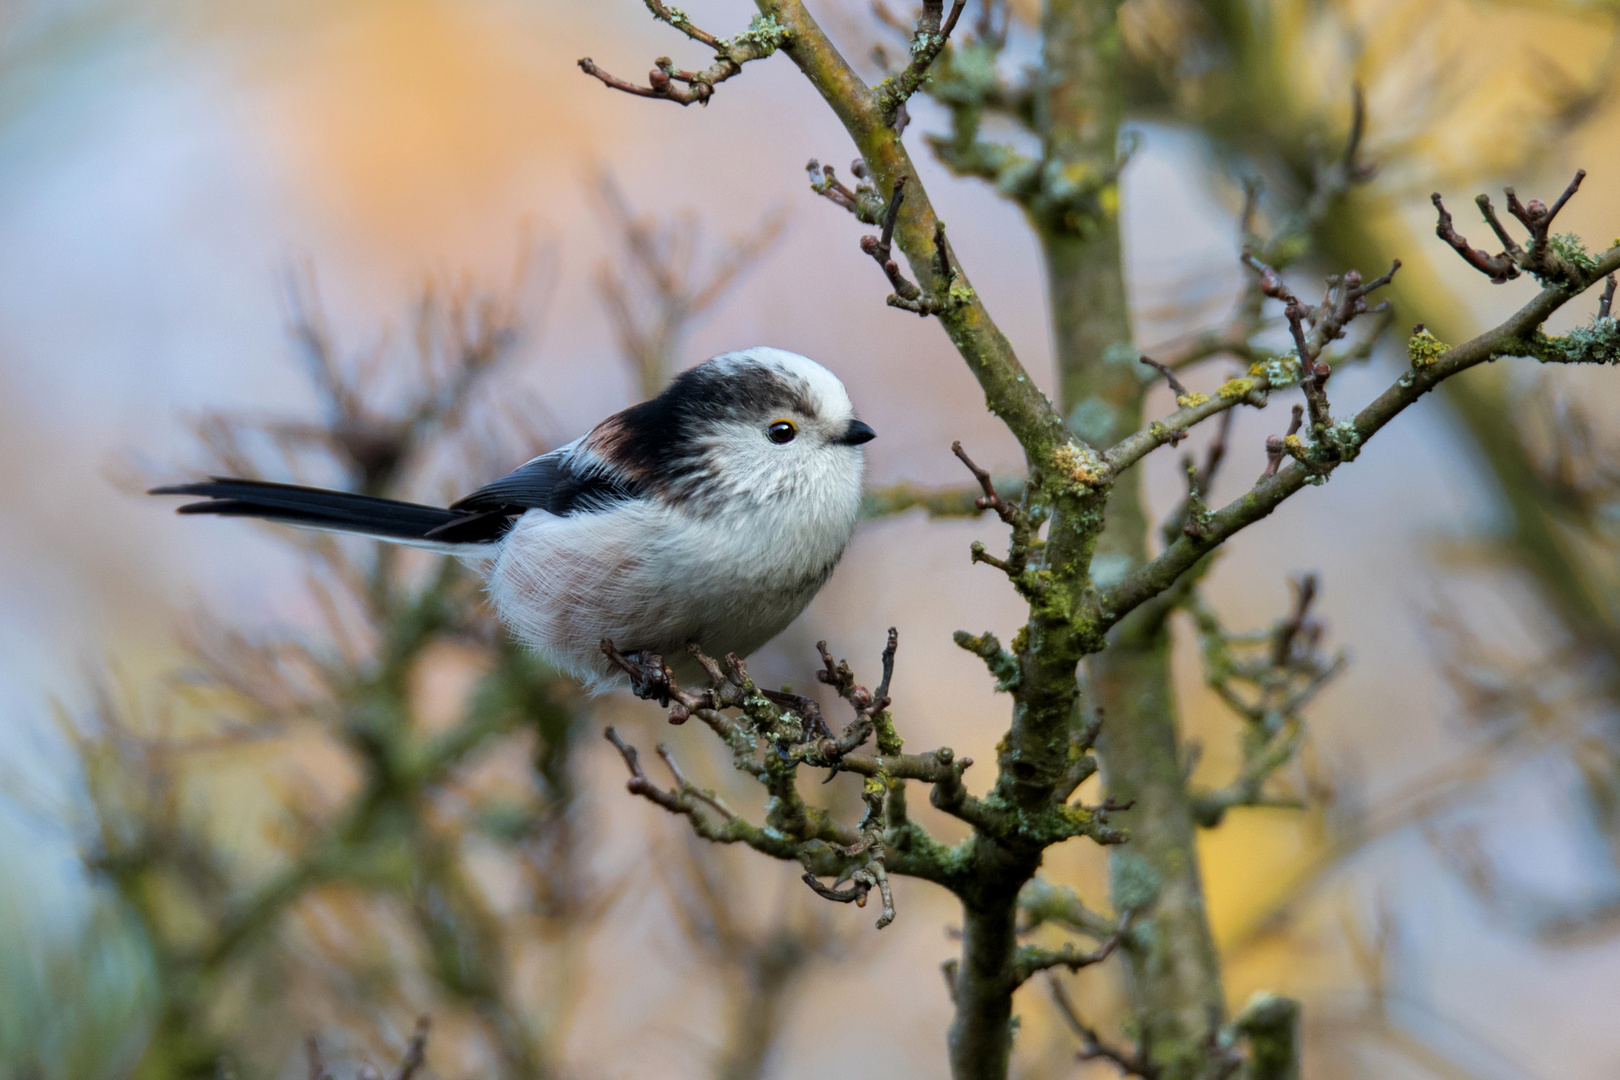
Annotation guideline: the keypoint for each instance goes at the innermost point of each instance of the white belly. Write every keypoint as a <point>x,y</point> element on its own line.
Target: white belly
<point>649,578</point>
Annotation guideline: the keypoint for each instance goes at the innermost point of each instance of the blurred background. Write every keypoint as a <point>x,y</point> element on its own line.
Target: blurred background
<point>260,786</point>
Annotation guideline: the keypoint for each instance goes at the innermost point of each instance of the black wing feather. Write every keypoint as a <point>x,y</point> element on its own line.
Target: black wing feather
<point>554,483</point>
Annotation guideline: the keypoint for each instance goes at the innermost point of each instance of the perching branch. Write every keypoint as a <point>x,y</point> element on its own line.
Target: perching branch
<point>776,733</point>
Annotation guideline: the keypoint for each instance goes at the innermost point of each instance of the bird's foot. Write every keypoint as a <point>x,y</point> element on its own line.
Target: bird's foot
<point>653,682</point>
<point>650,678</point>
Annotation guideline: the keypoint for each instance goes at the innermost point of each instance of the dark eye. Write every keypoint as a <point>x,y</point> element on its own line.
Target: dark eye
<point>781,432</point>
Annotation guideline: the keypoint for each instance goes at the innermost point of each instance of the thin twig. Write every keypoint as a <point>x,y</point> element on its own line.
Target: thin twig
<point>989,500</point>
<point>691,87</point>
<point>1169,376</point>
<point>1215,452</point>
<point>1031,960</point>
<point>1498,268</point>
<point>1092,1047</point>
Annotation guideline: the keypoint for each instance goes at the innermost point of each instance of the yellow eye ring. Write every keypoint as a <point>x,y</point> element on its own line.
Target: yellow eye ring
<point>781,431</point>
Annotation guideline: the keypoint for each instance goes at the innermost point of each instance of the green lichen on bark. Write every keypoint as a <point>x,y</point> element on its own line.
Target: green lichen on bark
<point>762,38</point>
<point>1570,249</point>
<point>1003,665</point>
<point>1598,342</point>
<point>1279,371</point>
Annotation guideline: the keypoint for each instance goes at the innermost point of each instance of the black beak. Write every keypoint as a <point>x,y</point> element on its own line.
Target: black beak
<point>857,433</point>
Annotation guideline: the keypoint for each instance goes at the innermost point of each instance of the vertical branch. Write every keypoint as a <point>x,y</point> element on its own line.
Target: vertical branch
<point>1175,985</point>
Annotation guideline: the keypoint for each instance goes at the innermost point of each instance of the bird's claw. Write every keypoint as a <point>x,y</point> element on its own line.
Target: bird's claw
<point>652,681</point>
<point>650,678</point>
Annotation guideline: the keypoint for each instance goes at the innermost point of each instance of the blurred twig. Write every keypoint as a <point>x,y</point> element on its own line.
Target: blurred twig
<point>660,281</point>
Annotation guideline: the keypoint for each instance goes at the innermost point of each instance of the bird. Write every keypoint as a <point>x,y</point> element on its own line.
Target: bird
<point>709,515</point>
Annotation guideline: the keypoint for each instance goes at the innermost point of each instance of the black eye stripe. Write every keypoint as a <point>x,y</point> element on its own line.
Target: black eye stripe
<point>660,442</point>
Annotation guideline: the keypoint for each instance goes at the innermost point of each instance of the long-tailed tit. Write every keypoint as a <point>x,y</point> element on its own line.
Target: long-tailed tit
<point>710,515</point>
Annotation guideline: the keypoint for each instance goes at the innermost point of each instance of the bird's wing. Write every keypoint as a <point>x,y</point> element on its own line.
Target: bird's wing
<point>566,481</point>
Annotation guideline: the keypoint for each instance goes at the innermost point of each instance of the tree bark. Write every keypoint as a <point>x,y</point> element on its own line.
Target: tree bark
<point>1174,983</point>
<point>980,1038</point>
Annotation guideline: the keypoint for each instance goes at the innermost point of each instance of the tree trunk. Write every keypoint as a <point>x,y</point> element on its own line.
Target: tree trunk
<point>1175,986</point>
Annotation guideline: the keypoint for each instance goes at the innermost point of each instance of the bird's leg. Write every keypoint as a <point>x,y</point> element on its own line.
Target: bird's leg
<point>652,683</point>
<point>650,677</point>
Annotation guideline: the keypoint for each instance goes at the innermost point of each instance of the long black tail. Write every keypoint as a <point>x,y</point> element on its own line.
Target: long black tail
<point>342,511</point>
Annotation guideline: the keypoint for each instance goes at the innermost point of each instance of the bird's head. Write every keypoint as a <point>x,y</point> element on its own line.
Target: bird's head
<point>751,427</point>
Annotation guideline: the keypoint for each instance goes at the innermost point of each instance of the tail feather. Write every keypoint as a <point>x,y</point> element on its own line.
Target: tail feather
<point>341,511</point>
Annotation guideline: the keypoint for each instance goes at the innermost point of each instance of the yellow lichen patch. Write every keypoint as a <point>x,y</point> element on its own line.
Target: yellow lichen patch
<point>1294,445</point>
<point>1192,400</point>
<point>1233,389</point>
<point>1423,348</point>
<point>1079,466</point>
